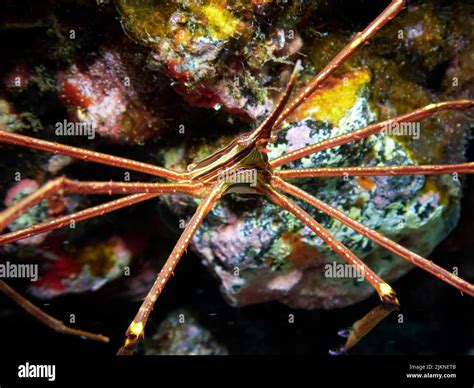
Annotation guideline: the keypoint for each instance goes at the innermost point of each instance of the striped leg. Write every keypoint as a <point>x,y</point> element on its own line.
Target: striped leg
<point>361,38</point>
<point>392,246</point>
<point>373,129</point>
<point>92,156</point>
<point>461,168</point>
<point>145,190</point>
<point>264,131</point>
<point>385,292</point>
<point>64,185</point>
<point>135,331</point>
<point>363,326</point>
<point>45,318</point>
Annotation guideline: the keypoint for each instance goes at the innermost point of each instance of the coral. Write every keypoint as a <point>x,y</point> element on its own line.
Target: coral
<point>110,97</point>
<point>17,122</point>
<point>86,269</point>
<point>219,55</point>
<point>181,334</point>
<point>234,57</point>
<point>261,254</point>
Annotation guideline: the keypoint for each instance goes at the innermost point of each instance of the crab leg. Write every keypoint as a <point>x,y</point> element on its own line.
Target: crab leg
<point>392,246</point>
<point>264,131</point>
<point>388,14</point>
<point>64,185</point>
<point>135,331</point>
<point>385,292</point>
<point>461,168</point>
<point>92,156</point>
<point>75,217</point>
<point>364,326</point>
<point>372,130</point>
<point>45,318</point>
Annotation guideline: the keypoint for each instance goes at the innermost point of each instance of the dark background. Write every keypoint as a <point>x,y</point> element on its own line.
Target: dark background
<point>438,320</point>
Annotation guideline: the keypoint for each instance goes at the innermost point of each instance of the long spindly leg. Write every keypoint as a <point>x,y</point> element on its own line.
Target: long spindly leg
<point>362,133</point>
<point>70,219</point>
<point>92,156</point>
<point>18,208</point>
<point>36,229</point>
<point>45,318</point>
<point>385,292</point>
<point>461,168</point>
<point>64,185</point>
<point>135,331</point>
<point>392,246</point>
<point>145,190</point>
<point>389,13</point>
<point>264,131</point>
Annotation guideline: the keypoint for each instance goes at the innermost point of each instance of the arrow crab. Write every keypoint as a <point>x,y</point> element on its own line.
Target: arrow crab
<point>243,167</point>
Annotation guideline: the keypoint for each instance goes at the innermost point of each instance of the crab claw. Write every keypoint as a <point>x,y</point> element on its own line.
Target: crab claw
<point>341,351</point>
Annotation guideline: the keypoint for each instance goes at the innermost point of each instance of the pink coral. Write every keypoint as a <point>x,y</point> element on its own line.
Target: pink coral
<point>105,95</point>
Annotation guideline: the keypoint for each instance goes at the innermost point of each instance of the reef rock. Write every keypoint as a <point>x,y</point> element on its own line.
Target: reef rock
<point>261,253</point>
<point>83,269</point>
<point>112,96</point>
<point>219,54</point>
<point>181,334</point>
<point>234,55</point>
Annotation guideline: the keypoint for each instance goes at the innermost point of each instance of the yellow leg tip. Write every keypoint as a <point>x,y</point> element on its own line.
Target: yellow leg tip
<point>387,294</point>
<point>136,328</point>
